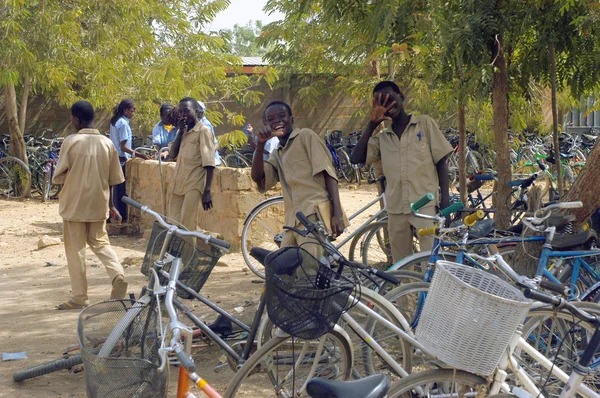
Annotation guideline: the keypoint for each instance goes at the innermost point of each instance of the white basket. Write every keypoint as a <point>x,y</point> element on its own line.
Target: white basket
<point>469,317</point>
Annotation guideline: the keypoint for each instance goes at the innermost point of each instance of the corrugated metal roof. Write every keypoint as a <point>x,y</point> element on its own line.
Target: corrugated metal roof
<point>254,61</point>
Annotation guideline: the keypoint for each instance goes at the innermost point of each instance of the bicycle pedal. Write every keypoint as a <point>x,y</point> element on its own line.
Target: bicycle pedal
<point>223,362</point>
<point>77,369</point>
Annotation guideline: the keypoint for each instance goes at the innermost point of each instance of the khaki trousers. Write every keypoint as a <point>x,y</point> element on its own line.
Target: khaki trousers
<point>401,235</point>
<point>308,243</point>
<point>184,209</point>
<point>76,235</point>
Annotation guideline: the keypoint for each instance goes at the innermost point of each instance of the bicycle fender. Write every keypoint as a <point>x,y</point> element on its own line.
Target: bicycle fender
<point>259,204</point>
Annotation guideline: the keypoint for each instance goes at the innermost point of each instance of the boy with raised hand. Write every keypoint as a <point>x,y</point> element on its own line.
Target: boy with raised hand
<point>413,154</point>
<point>303,165</point>
<point>88,166</point>
<point>194,149</point>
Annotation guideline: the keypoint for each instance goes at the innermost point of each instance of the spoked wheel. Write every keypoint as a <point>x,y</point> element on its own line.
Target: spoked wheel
<point>346,169</point>
<point>439,383</point>
<point>15,177</point>
<point>263,228</point>
<point>235,160</point>
<point>283,365</point>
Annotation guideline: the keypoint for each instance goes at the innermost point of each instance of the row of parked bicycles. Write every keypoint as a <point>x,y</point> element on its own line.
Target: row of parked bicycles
<point>454,321</point>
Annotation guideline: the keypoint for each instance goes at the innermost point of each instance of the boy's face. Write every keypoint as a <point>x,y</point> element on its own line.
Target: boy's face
<point>393,96</point>
<point>187,113</point>
<point>165,116</point>
<point>280,121</point>
<point>129,112</point>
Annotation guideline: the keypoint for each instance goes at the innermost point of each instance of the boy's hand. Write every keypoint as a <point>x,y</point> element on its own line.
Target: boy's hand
<point>380,108</point>
<point>337,225</point>
<point>115,215</point>
<point>264,134</point>
<point>207,200</point>
<point>182,124</point>
<point>142,155</point>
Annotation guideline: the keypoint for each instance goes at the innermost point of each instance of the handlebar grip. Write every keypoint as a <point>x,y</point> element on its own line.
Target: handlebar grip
<point>471,219</point>
<point>453,208</point>
<point>428,231</point>
<point>386,276</point>
<point>483,177</point>
<point>186,361</point>
<point>515,183</point>
<point>220,243</point>
<point>302,218</point>
<point>570,205</point>
<point>541,165</point>
<point>559,288</point>
<point>528,164</point>
<point>422,202</point>
<point>131,202</point>
<point>539,296</point>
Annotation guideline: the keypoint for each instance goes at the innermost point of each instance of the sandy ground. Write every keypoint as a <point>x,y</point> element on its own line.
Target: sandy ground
<point>34,281</point>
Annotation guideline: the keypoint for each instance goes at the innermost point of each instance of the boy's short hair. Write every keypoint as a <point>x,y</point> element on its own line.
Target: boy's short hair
<point>83,110</point>
<point>387,84</point>
<point>281,103</point>
<point>165,107</point>
<point>194,102</point>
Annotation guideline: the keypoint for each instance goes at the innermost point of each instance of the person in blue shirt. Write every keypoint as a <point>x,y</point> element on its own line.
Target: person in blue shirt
<point>270,145</point>
<point>121,136</point>
<point>208,124</point>
<point>164,132</point>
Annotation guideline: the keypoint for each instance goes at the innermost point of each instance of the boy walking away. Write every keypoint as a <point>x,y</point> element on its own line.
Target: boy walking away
<point>87,168</point>
<point>413,154</point>
<point>303,165</point>
<point>194,149</point>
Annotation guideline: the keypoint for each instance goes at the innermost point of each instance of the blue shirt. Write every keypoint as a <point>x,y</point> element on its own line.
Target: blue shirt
<point>212,129</point>
<point>120,132</point>
<point>270,146</point>
<point>162,137</point>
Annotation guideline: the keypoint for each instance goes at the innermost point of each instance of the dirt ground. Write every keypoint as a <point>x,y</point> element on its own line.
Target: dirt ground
<point>33,282</point>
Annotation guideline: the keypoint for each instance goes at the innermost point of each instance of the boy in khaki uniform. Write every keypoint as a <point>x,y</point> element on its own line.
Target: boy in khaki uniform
<point>87,168</point>
<point>303,165</point>
<point>413,154</point>
<point>194,149</point>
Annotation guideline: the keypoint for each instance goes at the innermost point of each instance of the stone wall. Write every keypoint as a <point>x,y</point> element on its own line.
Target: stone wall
<point>234,195</point>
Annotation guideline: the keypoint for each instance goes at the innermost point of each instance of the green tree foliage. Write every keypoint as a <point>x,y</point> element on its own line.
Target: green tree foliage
<point>243,39</point>
<point>153,51</point>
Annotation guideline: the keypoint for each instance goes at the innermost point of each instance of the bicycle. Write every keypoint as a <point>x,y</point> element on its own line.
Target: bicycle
<point>341,159</point>
<point>238,158</point>
<point>15,177</point>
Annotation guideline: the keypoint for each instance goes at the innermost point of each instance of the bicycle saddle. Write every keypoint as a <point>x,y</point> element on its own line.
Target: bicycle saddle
<point>375,386</point>
<point>482,229</point>
<point>566,242</point>
<point>260,254</point>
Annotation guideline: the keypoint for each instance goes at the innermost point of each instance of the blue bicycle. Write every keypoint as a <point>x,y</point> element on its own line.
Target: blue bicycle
<point>341,159</point>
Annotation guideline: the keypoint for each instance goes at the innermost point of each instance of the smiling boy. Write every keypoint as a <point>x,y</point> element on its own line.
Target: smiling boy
<point>303,165</point>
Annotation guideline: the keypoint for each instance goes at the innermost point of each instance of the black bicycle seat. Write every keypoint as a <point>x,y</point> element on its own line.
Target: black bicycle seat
<point>260,254</point>
<point>482,229</point>
<point>375,386</point>
<point>566,242</point>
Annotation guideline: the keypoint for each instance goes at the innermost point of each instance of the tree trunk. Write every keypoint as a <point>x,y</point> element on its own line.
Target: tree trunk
<point>586,188</point>
<point>462,152</point>
<point>17,143</point>
<point>500,107</point>
<point>556,136</point>
<point>24,99</point>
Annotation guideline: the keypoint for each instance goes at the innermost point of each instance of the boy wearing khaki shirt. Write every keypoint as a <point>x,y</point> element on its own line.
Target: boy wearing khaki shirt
<point>413,154</point>
<point>194,149</point>
<point>303,165</point>
<point>88,166</point>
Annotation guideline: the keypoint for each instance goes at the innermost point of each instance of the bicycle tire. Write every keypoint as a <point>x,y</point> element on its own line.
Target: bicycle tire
<point>236,161</point>
<point>15,177</point>
<point>264,357</point>
<point>346,168</point>
<point>432,379</point>
<point>48,367</point>
<point>265,237</point>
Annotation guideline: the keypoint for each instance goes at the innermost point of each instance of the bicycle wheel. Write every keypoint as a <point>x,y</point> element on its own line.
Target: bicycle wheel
<point>439,383</point>
<point>48,367</point>
<point>235,160</point>
<point>15,177</point>
<point>263,228</point>
<point>286,365</point>
<point>561,338</point>
<point>375,246</point>
<point>346,168</point>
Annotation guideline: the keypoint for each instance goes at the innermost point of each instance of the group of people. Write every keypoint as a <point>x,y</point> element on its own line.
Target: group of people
<point>412,151</point>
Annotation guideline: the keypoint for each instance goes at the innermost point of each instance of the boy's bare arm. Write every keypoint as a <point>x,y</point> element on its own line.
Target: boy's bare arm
<point>337,216</point>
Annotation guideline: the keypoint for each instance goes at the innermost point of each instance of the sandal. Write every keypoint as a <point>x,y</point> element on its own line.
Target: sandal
<point>70,305</point>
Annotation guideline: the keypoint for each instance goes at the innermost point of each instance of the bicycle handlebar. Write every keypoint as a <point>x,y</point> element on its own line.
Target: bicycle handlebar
<point>559,302</point>
<point>481,177</point>
<point>421,202</point>
<point>453,208</point>
<point>223,245</point>
<point>471,219</point>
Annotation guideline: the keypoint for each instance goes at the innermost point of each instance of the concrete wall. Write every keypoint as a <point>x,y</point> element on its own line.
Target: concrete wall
<point>333,111</point>
<point>234,195</point>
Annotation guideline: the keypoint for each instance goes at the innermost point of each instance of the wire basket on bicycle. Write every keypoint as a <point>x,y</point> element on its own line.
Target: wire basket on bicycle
<point>197,260</point>
<point>304,297</point>
<point>128,365</point>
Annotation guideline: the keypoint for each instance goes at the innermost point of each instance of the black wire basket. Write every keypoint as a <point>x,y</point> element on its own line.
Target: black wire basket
<point>129,367</point>
<point>198,259</point>
<point>304,297</point>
